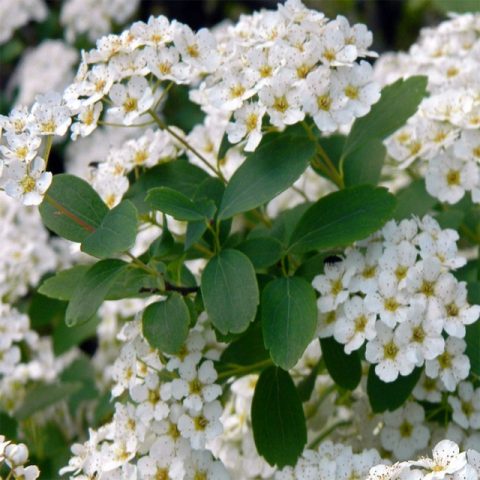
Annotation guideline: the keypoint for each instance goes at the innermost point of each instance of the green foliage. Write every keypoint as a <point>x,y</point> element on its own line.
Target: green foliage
<point>44,396</point>
<point>72,208</point>
<point>179,175</point>
<point>166,323</point>
<point>230,291</point>
<point>263,252</point>
<point>341,218</point>
<point>289,319</point>
<point>413,200</point>
<point>346,370</point>
<point>92,289</point>
<point>278,421</point>
<point>176,204</point>
<point>398,102</point>
<point>271,169</point>
<point>116,233</point>
<point>62,285</point>
<point>390,396</point>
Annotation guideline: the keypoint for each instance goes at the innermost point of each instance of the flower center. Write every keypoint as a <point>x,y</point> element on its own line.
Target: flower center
<point>427,288</point>
<point>360,323</point>
<point>390,304</point>
<point>130,104</point>
<point>390,350</point>
<point>351,92</point>
<point>406,429</point>
<point>195,387</point>
<point>281,104</point>
<point>418,334</point>
<point>200,423</point>
<point>324,102</point>
<point>445,360</point>
<point>453,178</point>
<point>28,184</point>
<point>251,122</point>
<point>193,50</point>
<point>452,310</point>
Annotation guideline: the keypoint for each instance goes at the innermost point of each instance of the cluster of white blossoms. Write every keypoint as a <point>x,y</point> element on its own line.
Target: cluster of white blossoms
<point>94,18</point>
<point>42,69</point>
<point>15,457</point>
<point>16,13</point>
<point>239,70</point>
<point>444,134</point>
<point>396,293</point>
<point>447,463</point>
<point>172,412</point>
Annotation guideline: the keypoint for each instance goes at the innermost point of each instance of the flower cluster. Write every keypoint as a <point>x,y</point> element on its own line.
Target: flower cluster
<point>171,414</point>
<point>396,293</point>
<point>94,18</point>
<point>444,134</point>
<point>447,463</point>
<point>240,70</point>
<point>16,13</point>
<point>15,457</point>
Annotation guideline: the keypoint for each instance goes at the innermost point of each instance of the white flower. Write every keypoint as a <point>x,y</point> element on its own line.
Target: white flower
<point>149,397</point>
<point>282,101</point>
<point>26,473</point>
<point>335,50</point>
<point>165,64</point>
<point>49,115</point>
<point>21,146</point>
<point>448,178</point>
<point>466,408</point>
<point>197,49</point>
<point>131,100</point>
<point>355,83</point>
<point>202,426</point>
<point>429,389</point>
<point>404,432</point>
<point>356,325</point>
<point>248,123</point>
<point>27,182</point>
<point>366,266</point>
<point>196,386</point>
<point>86,120</point>
<point>391,352</point>
<point>201,464</point>
<point>390,302</point>
<point>424,334</point>
<point>326,108</point>
<point>447,460</point>
<point>452,365</point>
<point>16,454</point>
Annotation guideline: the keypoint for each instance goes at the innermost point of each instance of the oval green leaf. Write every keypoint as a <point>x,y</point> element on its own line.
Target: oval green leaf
<point>270,170</point>
<point>289,319</point>
<point>71,208</point>
<point>390,396</point>
<point>92,289</point>
<point>341,218</point>
<point>174,203</point>
<point>115,234</point>
<point>165,324</point>
<point>278,421</point>
<point>346,370</point>
<point>230,291</point>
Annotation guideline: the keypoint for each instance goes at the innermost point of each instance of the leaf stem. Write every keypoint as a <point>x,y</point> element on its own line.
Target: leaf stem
<point>244,369</point>
<point>325,433</point>
<point>174,134</point>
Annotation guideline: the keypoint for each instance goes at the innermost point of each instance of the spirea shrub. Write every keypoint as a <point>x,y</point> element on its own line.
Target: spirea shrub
<point>260,262</point>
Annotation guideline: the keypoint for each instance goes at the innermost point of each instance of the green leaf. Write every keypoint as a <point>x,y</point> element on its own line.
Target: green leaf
<point>342,217</point>
<point>306,386</point>
<point>289,319</point>
<point>364,165</point>
<point>166,323</point>
<point>180,175</point>
<point>390,396</point>
<point>62,285</point>
<point>72,208</point>
<point>278,421</point>
<point>413,200</point>
<point>174,203</point>
<point>248,349</point>
<point>472,337</point>
<point>92,290</point>
<point>459,6</point>
<point>263,252</point>
<point>346,370</point>
<point>115,234</point>
<point>129,283</point>
<point>43,396</point>
<point>64,338</point>
<point>270,170</point>
<point>44,311</point>
<point>398,102</point>
<point>230,291</point>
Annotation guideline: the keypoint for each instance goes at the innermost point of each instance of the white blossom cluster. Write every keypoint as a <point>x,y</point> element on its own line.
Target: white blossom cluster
<point>396,293</point>
<point>447,463</point>
<point>243,70</point>
<point>172,412</point>
<point>15,456</point>
<point>445,132</point>
<point>49,66</point>
<point>17,13</point>
<point>94,18</point>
